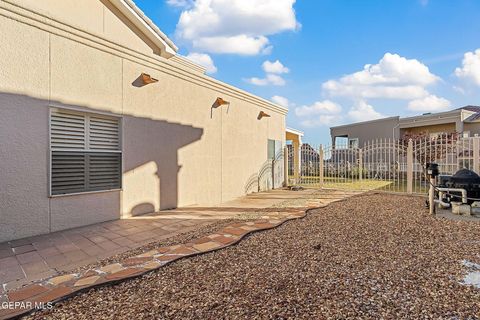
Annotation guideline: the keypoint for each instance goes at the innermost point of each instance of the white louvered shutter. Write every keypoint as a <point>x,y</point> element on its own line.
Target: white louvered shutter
<point>68,172</point>
<point>67,131</point>
<point>104,134</point>
<point>86,152</point>
<point>104,171</point>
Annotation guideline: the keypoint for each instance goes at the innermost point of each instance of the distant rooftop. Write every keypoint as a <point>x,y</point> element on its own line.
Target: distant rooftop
<point>472,118</point>
<point>470,108</point>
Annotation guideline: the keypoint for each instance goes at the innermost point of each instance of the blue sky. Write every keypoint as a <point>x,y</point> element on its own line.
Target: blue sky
<point>421,54</point>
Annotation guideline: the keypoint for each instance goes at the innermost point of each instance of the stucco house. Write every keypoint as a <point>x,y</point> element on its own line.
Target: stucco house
<point>101,119</point>
<point>464,120</point>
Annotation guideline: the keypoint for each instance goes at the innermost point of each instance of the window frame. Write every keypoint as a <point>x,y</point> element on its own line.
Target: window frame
<point>357,142</point>
<point>79,111</point>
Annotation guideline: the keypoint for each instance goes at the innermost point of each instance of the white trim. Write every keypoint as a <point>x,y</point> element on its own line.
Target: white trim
<point>82,193</point>
<point>353,139</point>
<point>184,61</point>
<point>49,169</point>
<point>81,110</point>
<point>294,131</point>
<point>144,24</point>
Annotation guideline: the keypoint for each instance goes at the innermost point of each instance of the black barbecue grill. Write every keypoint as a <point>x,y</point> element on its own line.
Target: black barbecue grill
<point>462,179</point>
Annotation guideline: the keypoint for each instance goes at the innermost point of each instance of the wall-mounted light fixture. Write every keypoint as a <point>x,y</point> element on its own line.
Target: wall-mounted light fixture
<point>147,79</point>
<point>220,102</point>
<point>263,115</point>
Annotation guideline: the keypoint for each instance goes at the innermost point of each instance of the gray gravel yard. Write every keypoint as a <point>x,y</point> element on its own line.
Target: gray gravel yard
<point>372,256</point>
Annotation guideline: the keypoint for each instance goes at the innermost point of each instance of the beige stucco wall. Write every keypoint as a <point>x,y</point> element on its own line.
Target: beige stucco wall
<point>177,150</point>
<point>97,17</point>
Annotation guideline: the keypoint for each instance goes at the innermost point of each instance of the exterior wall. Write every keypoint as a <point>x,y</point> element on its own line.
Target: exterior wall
<point>97,17</point>
<point>177,150</point>
<point>445,128</point>
<point>367,131</point>
<point>473,128</point>
<point>395,127</point>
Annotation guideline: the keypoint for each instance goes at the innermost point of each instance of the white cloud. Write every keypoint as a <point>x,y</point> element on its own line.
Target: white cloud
<point>274,67</point>
<point>470,70</point>
<point>281,101</point>
<point>180,3</point>
<point>329,113</point>
<point>431,103</point>
<point>270,79</point>
<point>394,77</point>
<point>320,113</point>
<point>234,26</point>
<point>459,89</point>
<point>322,120</point>
<point>319,107</point>
<point>272,76</point>
<point>240,44</point>
<point>204,60</point>
<point>362,111</point>
<point>336,88</point>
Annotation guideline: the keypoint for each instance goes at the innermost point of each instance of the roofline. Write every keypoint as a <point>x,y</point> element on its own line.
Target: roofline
<point>144,24</point>
<point>295,131</point>
<point>157,63</point>
<point>436,114</point>
<point>365,122</point>
<point>184,61</point>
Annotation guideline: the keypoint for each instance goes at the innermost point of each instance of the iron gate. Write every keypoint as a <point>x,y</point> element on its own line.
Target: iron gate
<point>383,164</point>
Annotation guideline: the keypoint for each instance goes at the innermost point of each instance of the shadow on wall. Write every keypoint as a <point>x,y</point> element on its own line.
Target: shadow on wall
<point>152,151</point>
<point>265,176</point>
<point>150,165</point>
<point>269,176</point>
<point>252,184</point>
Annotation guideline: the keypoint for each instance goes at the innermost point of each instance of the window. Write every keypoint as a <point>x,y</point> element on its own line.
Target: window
<point>271,149</point>
<point>353,143</point>
<point>85,151</point>
<point>274,148</point>
<point>341,142</point>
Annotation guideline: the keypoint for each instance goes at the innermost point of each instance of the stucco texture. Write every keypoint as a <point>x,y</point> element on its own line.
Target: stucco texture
<point>177,149</point>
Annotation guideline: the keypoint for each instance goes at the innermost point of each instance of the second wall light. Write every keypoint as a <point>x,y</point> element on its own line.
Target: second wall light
<point>263,115</point>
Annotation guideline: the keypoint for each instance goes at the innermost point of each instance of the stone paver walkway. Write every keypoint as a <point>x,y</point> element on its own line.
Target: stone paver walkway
<point>35,258</point>
<point>69,249</point>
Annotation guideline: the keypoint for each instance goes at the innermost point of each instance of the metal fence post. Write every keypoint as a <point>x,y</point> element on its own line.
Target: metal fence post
<point>410,167</point>
<point>285,166</point>
<point>476,153</point>
<point>320,165</point>
<point>296,162</point>
<point>360,164</point>
<point>273,174</point>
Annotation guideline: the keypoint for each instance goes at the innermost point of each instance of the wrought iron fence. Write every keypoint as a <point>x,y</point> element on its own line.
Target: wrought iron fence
<point>383,164</point>
<point>269,176</point>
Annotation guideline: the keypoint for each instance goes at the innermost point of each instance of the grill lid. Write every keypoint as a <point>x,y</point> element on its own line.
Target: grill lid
<point>464,176</point>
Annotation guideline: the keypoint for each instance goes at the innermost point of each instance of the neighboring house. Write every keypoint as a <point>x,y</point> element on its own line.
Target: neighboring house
<point>465,121</point>
<point>101,119</point>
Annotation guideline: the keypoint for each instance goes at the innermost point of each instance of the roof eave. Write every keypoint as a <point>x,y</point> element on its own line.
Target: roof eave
<point>127,7</point>
<point>294,131</point>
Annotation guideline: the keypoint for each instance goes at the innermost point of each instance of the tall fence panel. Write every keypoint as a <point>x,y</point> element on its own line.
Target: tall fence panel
<point>383,164</point>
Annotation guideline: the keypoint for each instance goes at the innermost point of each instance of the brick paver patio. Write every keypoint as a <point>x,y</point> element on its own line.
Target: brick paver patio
<point>40,259</point>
